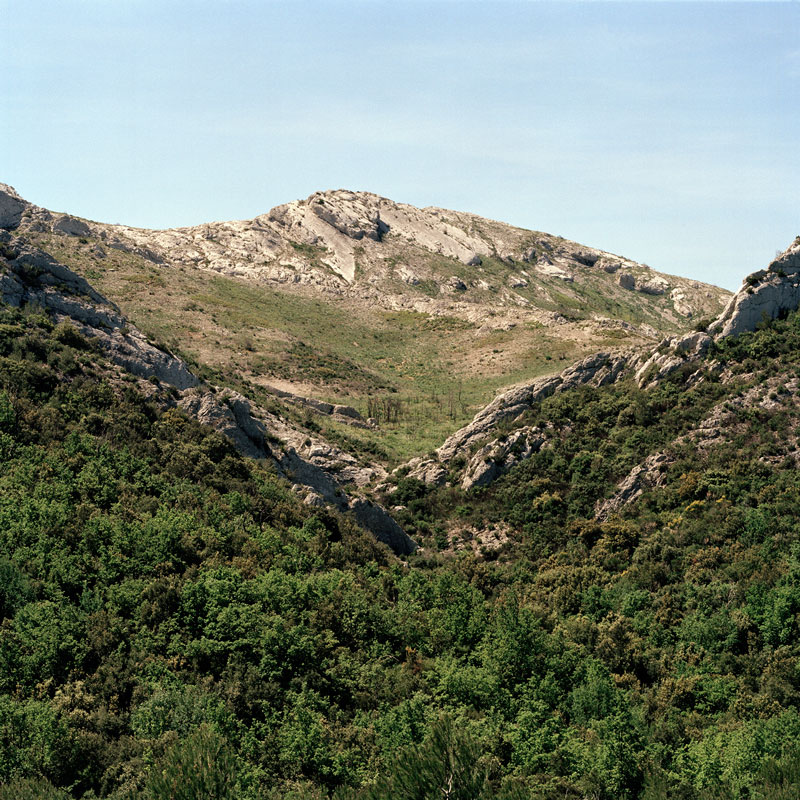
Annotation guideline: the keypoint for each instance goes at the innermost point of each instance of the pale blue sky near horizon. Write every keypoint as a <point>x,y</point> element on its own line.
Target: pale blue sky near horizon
<point>665,132</point>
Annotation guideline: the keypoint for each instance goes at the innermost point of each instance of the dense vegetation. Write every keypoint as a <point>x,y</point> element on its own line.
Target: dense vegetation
<point>176,624</point>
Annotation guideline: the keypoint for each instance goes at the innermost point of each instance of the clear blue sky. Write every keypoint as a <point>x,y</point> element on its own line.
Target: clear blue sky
<point>667,132</point>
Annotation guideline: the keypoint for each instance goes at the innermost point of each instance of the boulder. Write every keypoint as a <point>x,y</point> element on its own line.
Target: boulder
<point>456,284</point>
<point>473,260</point>
<point>654,286</point>
<point>72,226</point>
<point>347,411</point>
<point>11,207</point>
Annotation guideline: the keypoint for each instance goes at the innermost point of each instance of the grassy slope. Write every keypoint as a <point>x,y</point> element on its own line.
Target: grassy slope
<point>440,369</point>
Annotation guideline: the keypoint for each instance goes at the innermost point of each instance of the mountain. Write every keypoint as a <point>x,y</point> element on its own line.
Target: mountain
<point>595,589</point>
<point>415,317</point>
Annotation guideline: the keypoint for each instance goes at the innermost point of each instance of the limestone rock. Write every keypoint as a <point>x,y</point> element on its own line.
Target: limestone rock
<point>766,294</point>
<point>11,207</point>
<point>428,471</point>
<point>222,414</point>
<point>473,260</point>
<point>377,520</point>
<point>598,369</point>
<point>28,275</point>
<point>672,354</point>
<point>349,217</point>
<point>546,267</point>
<point>347,411</point>
<point>681,302</point>
<point>500,455</point>
<point>407,276</point>
<point>455,284</point>
<point>72,226</point>
<point>648,475</point>
<point>359,245</point>
<point>609,266</point>
<point>626,281</point>
<point>654,286</point>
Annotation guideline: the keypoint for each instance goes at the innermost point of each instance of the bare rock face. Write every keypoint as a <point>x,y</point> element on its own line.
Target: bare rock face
<point>350,217</point>
<point>671,355</point>
<point>626,281</point>
<point>72,226</point>
<point>428,471</point>
<point>11,207</point>
<point>655,286</point>
<point>681,302</point>
<point>220,413</point>
<point>766,294</point>
<point>646,285</point>
<point>357,244</point>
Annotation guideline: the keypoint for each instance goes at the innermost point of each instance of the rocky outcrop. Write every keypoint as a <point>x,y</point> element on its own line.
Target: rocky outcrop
<point>358,244</point>
<point>11,207</point>
<point>317,469</point>
<point>72,226</point>
<point>626,281</point>
<point>230,414</point>
<point>671,355</point>
<point>769,294</point>
<point>651,473</point>
<point>766,294</point>
<point>646,285</point>
<point>497,457</point>
<point>598,370</point>
<point>33,277</point>
<point>30,276</point>
<point>340,413</point>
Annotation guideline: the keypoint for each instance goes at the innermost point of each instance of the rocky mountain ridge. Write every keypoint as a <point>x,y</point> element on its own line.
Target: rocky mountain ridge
<point>330,224</point>
<point>432,260</point>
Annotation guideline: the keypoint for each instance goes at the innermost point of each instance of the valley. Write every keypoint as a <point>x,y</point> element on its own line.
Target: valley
<point>351,298</point>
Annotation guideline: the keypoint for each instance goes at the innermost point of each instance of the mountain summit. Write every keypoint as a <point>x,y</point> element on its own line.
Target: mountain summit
<point>361,244</point>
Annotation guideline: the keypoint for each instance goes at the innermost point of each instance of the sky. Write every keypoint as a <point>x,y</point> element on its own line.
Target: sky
<point>665,132</point>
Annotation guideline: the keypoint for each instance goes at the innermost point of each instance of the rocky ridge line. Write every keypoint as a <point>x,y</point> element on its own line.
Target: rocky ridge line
<point>317,469</point>
<point>369,248</point>
<point>498,454</point>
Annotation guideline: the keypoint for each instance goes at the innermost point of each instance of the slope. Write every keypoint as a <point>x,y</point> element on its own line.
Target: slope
<point>415,317</point>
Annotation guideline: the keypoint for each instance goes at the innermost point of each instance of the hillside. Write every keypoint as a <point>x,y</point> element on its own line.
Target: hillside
<point>594,592</point>
<point>415,317</point>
